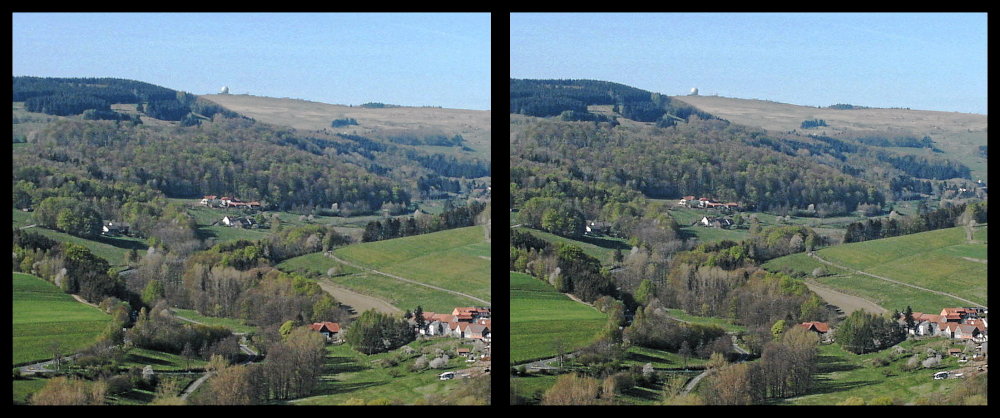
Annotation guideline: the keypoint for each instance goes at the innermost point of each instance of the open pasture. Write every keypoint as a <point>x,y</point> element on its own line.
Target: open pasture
<point>44,316</point>
<point>542,318</point>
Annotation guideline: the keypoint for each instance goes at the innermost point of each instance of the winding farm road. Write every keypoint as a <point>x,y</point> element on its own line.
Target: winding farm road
<point>403,279</point>
<point>821,260</point>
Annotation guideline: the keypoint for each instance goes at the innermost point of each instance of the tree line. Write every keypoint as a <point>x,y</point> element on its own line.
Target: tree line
<point>697,158</point>
<point>946,217</point>
<point>396,227</point>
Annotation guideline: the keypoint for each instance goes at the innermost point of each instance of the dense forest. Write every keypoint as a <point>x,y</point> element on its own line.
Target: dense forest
<point>702,158</point>
<point>277,166</point>
<point>74,96</point>
<point>554,97</point>
<point>698,154</point>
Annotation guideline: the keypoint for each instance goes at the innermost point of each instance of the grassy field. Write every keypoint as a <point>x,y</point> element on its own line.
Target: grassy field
<point>958,135</point>
<point>540,316</point>
<point>112,249</point>
<point>352,375</point>
<point>314,264</point>
<point>402,295</point>
<point>843,374</point>
<point>455,259</point>
<point>44,315</point>
<point>473,125</point>
<point>934,260</point>
<point>601,248</point>
<point>236,325</point>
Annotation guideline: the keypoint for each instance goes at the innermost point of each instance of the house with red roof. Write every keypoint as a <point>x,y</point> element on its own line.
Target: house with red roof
<point>820,328</point>
<point>330,330</point>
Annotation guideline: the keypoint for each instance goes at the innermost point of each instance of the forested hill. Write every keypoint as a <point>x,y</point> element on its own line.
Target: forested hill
<point>603,169</point>
<point>91,132</point>
<point>569,100</point>
<point>92,98</point>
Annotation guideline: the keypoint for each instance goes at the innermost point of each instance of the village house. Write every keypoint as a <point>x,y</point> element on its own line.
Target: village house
<point>228,202</point>
<point>954,323</point>
<point>330,330</point>
<point>112,228</point>
<point>706,203</point>
<point>238,222</point>
<point>597,228</point>
<point>716,222</point>
<point>211,200</point>
<point>463,322</point>
<point>820,328</point>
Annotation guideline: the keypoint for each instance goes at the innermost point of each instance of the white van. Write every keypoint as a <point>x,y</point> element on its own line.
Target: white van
<point>940,375</point>
<point>447,375</point>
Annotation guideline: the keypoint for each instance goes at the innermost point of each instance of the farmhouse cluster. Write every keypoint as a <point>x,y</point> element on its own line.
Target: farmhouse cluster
<point>955,323</point>
<point>463,322</point>
<point>705,203</point>
<point>214,201</point>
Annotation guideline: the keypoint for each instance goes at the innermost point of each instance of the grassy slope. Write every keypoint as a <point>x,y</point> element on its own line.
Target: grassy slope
<point>352,375</point>
<point>473,125</point>
<point>456,259</point>
<point>539,316</point>
<point>958,135</point>
<point>843,374</point>
<point>930,259</point>
<point>43,314</point>
<point>601,248</point>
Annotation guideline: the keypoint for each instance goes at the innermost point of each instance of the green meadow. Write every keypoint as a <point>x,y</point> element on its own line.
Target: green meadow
<point>842,374</point>
<point>936,260</point>
<point>112,249</point>
<point>601,248</point>
<point>350,375</point>
<point>315,264</point>
<point>402,295</point>
<point>43,316</point>
<point>540,317</point>
<point>455,259</point>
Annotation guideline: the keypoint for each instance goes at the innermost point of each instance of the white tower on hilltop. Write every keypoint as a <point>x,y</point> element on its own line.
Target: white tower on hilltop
<point>225,90</point>
<point>694,91</point>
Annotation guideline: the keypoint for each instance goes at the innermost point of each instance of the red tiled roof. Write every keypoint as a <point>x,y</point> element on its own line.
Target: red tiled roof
<point>818,326</point>
<point>330,326</point>
<point>950,326</point>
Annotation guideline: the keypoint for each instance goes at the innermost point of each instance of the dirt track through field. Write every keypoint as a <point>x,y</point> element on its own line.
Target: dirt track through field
<point>847,303</point>
<point>403,279</point>
<point>821,260</point>
<point>356,300</point>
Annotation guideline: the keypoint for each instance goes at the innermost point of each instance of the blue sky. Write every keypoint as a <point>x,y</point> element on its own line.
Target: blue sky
<point>410,59</point>
<point>915,60</point>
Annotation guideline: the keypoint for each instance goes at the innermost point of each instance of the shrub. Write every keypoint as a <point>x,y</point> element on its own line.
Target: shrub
<point>440,362</point>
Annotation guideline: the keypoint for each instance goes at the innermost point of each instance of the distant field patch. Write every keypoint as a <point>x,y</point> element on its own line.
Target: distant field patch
<point>44,315</point>
<point>402,295</point>
<point>112,249</point>
<point>314,264</point>
<point>937,260</point>
<point>454,259</point>
<point>540,317</point>
<point>931,259</point>
<point>602,248</point>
